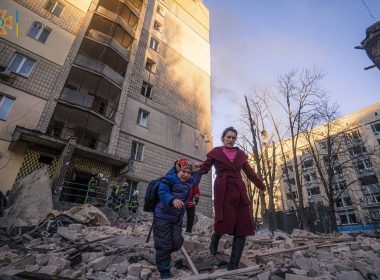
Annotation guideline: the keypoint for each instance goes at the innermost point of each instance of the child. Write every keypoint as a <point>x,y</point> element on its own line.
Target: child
<point>190,208</point>
<point>169,211</point>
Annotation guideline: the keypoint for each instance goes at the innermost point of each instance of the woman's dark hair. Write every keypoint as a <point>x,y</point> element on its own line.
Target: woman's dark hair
<point>229,129</point>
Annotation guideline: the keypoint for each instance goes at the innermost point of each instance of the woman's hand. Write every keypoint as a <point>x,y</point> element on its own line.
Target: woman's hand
<point>177,203</point>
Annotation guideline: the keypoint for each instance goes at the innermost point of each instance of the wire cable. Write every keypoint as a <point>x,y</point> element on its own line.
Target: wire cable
<point>369,11</point>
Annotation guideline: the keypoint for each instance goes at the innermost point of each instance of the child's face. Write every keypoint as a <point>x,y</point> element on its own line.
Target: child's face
<point>184,174</point>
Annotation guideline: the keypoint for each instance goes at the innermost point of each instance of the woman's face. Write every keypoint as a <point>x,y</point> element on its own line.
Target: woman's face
<point>229,139</point>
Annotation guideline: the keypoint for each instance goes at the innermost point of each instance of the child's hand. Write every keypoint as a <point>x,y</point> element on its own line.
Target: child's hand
<point>177,203</point>
<point>196,166</point>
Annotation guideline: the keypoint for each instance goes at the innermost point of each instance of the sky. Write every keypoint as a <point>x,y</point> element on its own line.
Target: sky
<point>253,42</point>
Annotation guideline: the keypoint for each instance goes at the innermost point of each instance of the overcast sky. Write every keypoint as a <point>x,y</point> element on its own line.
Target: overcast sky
<point>255,41</point>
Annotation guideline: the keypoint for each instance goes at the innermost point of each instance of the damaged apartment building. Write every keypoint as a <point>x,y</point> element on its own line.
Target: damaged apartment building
<point>355,153</point>
<point>107,90</point>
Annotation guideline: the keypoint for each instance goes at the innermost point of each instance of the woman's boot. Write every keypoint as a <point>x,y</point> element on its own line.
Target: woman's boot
<point>237,249</point>
<point>214,243</point>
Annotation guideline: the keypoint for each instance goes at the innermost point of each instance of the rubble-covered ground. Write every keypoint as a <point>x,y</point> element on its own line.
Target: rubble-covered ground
<point>62,248</point>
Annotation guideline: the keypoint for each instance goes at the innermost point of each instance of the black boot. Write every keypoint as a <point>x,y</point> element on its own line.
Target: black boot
<point>237,249</point>
<point>214,243</point>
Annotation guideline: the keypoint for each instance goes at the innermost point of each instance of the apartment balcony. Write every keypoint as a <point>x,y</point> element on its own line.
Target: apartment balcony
<point>91,93</point>
<point>109,41</point>
<point>88,102</point>
<point>99,67</point>
<point>90,131</point>
<point>135,8</point>
<point>110,15</point>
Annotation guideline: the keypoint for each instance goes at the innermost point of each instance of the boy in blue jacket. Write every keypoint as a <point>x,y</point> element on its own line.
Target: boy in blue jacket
<point>169,211</point>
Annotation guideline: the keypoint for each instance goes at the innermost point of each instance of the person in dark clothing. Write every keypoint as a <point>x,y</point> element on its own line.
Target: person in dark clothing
<point>231,202</point>
<point>169,212</point>
<point>190,208</point>
<point>133,204</point>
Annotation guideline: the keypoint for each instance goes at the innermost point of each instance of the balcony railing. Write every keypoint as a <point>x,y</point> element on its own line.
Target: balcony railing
<point>110,41</point>
<point>117,18</point>
<point>84,138</point>
<point>89,102</point>
<point>99,67</point>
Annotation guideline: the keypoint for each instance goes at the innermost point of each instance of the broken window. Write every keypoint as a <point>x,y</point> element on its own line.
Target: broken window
<point>142,118</point>
<point>157,26</point>
<point>150,65</point>
<point>55,128</point>
<point>137,151</point>
<point>147,89</point>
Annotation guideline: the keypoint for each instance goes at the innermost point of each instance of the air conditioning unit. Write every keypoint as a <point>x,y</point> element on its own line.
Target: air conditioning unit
<point>5,72</point>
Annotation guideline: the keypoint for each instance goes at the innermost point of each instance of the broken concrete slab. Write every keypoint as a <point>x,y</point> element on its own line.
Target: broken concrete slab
<point>264,276</point>
<point>50,270</point>
<point>31,197</point>
<point>135,269</point>
<point>352,275</point>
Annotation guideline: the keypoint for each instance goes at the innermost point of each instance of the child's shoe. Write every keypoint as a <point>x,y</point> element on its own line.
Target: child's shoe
<point>166,274</point>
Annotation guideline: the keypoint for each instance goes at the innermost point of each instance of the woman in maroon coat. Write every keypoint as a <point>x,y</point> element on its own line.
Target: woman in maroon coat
<point>231,202</point>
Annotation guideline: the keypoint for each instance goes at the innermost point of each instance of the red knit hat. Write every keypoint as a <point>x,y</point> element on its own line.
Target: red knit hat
<point>182,164</point>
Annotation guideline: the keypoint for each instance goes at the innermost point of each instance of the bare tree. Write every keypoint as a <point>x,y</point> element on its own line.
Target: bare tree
<point>299,95</point>
<point>263,147</point>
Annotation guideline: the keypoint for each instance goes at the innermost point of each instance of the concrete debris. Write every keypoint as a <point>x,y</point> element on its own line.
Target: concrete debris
<point>28,206</point>
<point>83,245</point>
<point>87,213</point>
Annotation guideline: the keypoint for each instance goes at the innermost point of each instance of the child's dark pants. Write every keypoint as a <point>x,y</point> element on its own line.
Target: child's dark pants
<point>167,239</point>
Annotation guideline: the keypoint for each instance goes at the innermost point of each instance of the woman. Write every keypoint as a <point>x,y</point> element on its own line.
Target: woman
<point>231,202</point>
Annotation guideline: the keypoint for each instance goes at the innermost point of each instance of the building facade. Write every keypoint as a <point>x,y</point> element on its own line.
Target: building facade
<point>109,90</point>
<point>355,172</point>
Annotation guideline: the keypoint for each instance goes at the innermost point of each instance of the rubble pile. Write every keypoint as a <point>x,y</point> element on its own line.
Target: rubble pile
<point>81,244</point>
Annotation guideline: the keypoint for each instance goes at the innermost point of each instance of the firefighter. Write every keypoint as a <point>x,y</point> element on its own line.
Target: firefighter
<point>133,204</point>
<point>92,185</point>
<point>118,197</point>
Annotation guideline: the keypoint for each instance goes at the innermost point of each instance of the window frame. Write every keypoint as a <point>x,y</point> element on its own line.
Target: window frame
<point>21,64</point>
<point>154,44</point>
<point>374,129</point>
<point>42,29</point>
<point>157,26</point>
<point>136,146</point>
<point>3,98</point>
<point>140,118</point>
<point>53,5</point>
<point>160,10</point>
<point>153,65</point>
<point>147,90</point>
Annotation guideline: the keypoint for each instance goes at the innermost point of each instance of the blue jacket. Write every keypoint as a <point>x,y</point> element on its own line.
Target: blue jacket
<point>180,190</point>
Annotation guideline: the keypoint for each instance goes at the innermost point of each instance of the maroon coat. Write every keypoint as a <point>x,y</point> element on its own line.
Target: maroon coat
<point>231,202</point>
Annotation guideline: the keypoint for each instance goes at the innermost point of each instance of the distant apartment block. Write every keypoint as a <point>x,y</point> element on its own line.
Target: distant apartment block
<point>356,171</point>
